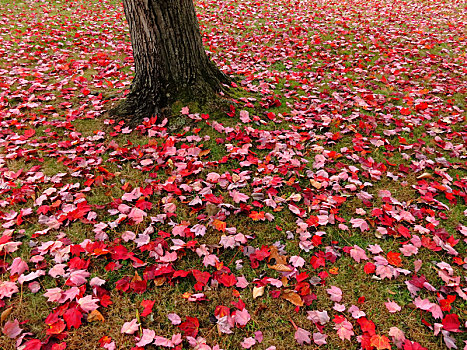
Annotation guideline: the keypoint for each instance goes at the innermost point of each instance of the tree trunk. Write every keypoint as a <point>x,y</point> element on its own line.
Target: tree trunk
<point>170,61</point>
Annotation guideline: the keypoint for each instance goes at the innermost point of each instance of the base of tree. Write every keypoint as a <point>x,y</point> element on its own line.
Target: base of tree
<point>133,113</point>
<point>143,102</point>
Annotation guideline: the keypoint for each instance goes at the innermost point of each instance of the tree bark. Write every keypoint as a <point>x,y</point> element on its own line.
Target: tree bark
<point>170,61</point>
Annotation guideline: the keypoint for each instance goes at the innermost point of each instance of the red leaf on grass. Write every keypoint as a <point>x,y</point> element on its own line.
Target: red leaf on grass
<point>148,305</point>
<point>380,342</point>
<point>190,326</point>
<point>451,323</point>
<point>73,317</point>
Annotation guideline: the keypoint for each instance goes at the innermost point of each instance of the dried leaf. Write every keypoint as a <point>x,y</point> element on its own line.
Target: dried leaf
<point>292,297</point>
<point>316,184</point>
<point>424,176</point>
<point>258,291</point>
<point>204,152</point>
<point>281,268</point>
<point>95,315</point>
<point>5,314</point>
<point>159,281</point>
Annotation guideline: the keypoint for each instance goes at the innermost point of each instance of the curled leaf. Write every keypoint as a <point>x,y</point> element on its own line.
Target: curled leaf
<point>292,297</point>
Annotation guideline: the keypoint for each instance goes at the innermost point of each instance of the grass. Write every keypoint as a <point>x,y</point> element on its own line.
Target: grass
<point>298,80</point>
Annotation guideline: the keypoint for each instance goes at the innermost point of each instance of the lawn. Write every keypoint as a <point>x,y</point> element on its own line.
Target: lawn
<point>327,208</point>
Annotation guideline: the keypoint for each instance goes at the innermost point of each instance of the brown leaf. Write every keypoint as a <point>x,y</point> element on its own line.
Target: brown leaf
<point>5,314</point>
<point>424,176</point>
<point>95,315</point>
<point>159,281</point>
<point>136,278</point>
<point>281,268</point>
<point>276,259</point>
<point>204,152</point>
<point>292,297</point>
<point>258,291</point>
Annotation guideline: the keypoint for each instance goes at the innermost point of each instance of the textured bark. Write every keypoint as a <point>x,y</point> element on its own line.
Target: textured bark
<point>170,61</point>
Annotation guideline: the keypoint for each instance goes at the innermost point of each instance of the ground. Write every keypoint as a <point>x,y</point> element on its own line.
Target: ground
<point>326,209</point>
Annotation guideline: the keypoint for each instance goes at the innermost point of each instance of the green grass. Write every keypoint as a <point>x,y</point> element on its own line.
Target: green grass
<point>270,315</point>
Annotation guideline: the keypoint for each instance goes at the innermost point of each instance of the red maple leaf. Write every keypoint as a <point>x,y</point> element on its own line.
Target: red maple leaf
<point>190,326</point>
<point>451,323</point>
<point>148,305</point>
<point>227,280</point>
<point>369,268</point>
<point>56,328</point>
<point>394,259</point>
<point>33,344</point>
<point>73,317</point>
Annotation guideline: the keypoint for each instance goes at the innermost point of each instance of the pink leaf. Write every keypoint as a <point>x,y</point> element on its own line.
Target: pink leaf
<point>248,343</point>
<point>241,282</point>
<point>12,329</point>
<point>54,294</point>
<point>359,223</point>
<point>319,338</point>
<point>358,253</point>
<point>397,335</point>
<point>259,336</point>
<point>302,336</point>
<point>7,289</point>
<point>174,318</point>
<point>320,317</point>
<point>130,327</point>
<point>238,196</point>
<point>161,341</point>
<point>78,277</point>
<point>18,266</point>
<point>344,330</point>
<point>335,293</point>
<point>146,338</point>
<point>137,215</point>
<point>392,306</point>
<point>88,304</point>
<point>242,317</point>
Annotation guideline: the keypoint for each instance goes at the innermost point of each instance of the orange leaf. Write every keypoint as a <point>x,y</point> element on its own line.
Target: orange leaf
<point>394,259</point>
<point>219,225</point>
<point>95,316</point>
<point>5,314</point>
<point>257,215</point>
<point>380,342</point>
<point>292,297</point>
<point>204,152</point>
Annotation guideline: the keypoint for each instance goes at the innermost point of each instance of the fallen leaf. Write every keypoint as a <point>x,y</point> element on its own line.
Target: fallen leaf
<point>258,292</point>
<point>292,297</point>
<point>95,315</point>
